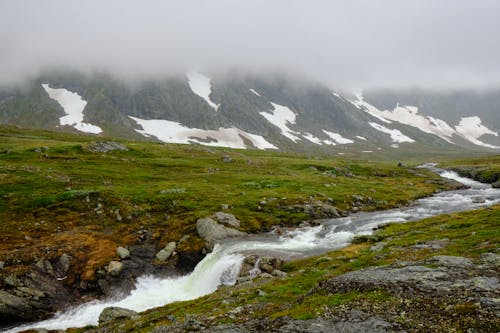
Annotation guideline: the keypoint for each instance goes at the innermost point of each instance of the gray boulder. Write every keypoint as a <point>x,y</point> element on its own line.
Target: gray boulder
<point>166,252</point>
<point>211,231</point>
<point>122,252</point>
<point>227,219</point>
<point>113,313</point>
<point>63,264</point>
<point>115,268</point>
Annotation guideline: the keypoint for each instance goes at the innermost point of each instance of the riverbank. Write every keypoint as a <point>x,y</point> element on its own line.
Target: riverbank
<point>435,275</point>
<point>82,219</point>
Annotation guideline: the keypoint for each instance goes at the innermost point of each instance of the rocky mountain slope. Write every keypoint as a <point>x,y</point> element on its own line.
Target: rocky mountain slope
<point>243,111</point>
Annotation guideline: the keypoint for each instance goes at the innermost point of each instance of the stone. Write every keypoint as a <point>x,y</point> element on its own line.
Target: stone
<point>106,146</point>
<point>226,159</point>
<point>227,219</point>
<point>118,216</point>
<point>211,231</point>
<point>115,268</point>
<point>496,184</point>
<point>490,259</point>
<point>224,206</point>
<point>450,261</point>
<point>113,313</point>
<point>2,264</point>
<point>166,252</point>
<point>122,252</point>
<point>279,273</point>
<point>63,264</point>
<point>191,325</point>
<point>478,200</point>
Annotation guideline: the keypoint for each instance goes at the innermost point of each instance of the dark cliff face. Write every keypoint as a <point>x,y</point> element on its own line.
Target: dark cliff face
<point>238,101</point>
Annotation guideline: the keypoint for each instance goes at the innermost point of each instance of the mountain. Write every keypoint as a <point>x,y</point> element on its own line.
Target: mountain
<point>248,111</point>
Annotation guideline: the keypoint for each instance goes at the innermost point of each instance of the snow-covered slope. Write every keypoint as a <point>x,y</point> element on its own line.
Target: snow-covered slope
<point>281,117</point>
<point>472,129</point>
<point>173,132</point>
<point>239,111</point>
<point>469,128</point>
<point>73,106</point>
<point>201,86</point>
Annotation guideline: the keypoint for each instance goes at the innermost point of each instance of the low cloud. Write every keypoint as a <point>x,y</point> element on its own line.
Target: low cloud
<point>348,44</point>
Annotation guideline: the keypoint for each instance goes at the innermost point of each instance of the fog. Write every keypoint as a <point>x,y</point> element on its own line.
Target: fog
<point>351,44</point>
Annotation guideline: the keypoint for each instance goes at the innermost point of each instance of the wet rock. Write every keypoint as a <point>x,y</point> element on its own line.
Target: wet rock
<point>45,266</point>
<point>496,184</point>
<point>122,252</point>
<point>62,265</point>
<point>166,252</point>
<point>114,268</point>
<point>106,146</point>
<point>211,231</point>
<point>2,264</point>
<point>227,219</point>
<point>478,200</point>
<point>113,313</point>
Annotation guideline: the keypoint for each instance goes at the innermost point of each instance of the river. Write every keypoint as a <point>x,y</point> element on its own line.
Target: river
<point>222,265</point>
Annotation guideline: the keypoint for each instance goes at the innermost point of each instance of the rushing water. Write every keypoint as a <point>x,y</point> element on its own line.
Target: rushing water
<point>221,267</point>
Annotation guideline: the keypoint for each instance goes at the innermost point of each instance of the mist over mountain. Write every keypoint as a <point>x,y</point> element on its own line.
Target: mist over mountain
<point>344,44</point>
<point>288,75</point>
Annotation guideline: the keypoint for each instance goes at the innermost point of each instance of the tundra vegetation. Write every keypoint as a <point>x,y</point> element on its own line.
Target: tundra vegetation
<point>85,196</point>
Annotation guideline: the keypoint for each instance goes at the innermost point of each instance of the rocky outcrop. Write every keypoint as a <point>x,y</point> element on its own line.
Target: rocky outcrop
<point>211,231</point>
<point>113,313</point>
<point>439,275</point>
<point>31,297</point>
<point>106,146</point>
<point>351,322</point>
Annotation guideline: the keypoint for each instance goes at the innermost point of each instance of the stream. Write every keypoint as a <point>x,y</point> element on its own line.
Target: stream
<point>221,267</point>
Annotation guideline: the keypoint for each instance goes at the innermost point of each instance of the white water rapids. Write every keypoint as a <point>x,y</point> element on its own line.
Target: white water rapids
<point>221,267</point>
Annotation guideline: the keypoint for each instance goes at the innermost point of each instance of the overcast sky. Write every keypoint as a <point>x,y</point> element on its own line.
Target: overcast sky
<point>349,44</point>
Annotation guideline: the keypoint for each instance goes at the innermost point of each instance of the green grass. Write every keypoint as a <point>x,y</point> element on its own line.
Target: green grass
<point>52,195</point>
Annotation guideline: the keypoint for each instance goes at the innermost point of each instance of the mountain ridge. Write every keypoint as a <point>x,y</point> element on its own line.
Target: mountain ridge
<point>240,111</point>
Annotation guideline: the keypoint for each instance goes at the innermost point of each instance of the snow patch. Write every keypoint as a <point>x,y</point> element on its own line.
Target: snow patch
<point>361,138</point>
<point>409,115</point>
<point>472,129</point>
<point>73,106</point>
<point>201,86</point>
<point>338,138</point>
<point>362,105</point>
<point>255,92</point>
<point>313,139</point>
<point>281,117</point>
<point>396,135</point>
<point>174,132</point>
